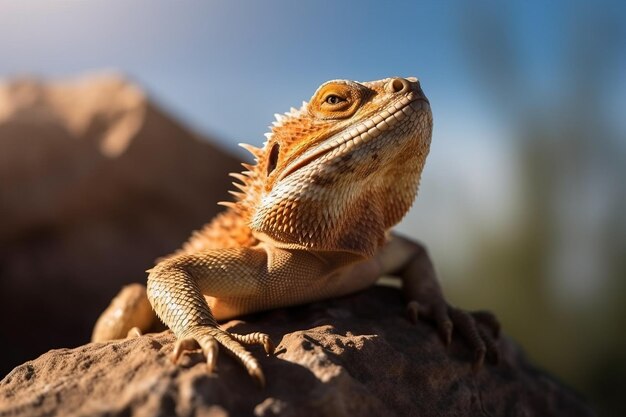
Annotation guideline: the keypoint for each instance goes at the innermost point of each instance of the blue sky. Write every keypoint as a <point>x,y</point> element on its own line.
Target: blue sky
<point>226,67</point>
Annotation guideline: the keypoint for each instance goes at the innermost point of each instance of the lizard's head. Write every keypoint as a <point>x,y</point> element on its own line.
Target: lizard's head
<point>337,173</point>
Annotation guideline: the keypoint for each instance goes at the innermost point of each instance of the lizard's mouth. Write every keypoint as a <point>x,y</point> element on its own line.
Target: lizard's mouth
<point>361,133</point>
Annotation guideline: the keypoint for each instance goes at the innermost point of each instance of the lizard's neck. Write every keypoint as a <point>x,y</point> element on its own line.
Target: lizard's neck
<point>351,223</point>
<point>332,258</point>
<point>351,214</point>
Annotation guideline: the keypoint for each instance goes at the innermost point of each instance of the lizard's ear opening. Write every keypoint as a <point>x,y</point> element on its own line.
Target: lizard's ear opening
<point>273,158</point>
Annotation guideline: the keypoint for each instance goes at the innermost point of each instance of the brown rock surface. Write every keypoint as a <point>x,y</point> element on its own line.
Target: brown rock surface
<point>354,356</point>
<point>96,181</point>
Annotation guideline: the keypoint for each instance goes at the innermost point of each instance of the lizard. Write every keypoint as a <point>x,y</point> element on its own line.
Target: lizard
<point>311,221</point>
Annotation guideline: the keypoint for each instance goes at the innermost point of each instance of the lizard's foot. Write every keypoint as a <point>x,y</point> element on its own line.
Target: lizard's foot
<point>480,329</point>
<point>210,338</point>
<point>128,315</point>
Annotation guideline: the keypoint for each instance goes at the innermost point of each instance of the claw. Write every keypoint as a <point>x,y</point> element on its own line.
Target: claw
<point>210,349</point>
<point>133,333</point>
<point>183,345</point>
<point>412,310</point>
<point>269,346</point>
<point>257,374</point>
<point>479,358</point>
<point>492,350</point>
<point>444,323</point>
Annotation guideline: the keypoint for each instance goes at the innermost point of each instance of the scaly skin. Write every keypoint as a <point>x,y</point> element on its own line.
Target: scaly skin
<point>311,221</point>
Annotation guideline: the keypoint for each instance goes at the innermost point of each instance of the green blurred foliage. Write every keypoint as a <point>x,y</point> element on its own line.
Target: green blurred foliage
<point>558,280</point>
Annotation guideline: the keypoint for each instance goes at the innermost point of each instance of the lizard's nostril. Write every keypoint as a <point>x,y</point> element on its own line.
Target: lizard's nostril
<point>399,85</point>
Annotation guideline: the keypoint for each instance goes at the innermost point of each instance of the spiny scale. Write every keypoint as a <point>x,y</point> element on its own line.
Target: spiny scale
<point>256,152</point>
<point>239,175</point>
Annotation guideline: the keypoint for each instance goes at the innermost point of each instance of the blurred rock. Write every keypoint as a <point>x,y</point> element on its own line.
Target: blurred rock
<point>354,356</point>
<point>96,181</point>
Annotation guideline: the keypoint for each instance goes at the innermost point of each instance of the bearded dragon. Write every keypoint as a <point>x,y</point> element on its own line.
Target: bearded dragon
<point>310,221</point>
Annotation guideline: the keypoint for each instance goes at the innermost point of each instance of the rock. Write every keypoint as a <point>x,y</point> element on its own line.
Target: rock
<point>353,356</point>
<point>96,181</point>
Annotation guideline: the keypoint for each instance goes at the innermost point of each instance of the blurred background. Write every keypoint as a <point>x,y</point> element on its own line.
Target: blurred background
<point>119,121</point>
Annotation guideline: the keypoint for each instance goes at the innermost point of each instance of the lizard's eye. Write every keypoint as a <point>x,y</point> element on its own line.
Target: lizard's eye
<point>273,158</point>
<point>334,99</point>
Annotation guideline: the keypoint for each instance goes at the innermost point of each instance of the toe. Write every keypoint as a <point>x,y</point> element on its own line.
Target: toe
<point>489,320</point>
<point>493,354</point>
<point>210,339</point>
<point>183,345</point>
<point>445,325</point>
<point>210,348</point>
<point>257,374</point>
<point>412,311</point>
<point>467,326</point>
<point>255,339</point>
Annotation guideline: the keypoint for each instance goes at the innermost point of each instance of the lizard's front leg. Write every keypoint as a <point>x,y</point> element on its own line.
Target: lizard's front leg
<point>410,261</point>
<point>176,289</point>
